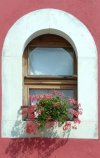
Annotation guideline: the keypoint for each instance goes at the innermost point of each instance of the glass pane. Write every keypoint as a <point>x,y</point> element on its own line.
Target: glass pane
<point>50,61</point>
<point>39,92</point>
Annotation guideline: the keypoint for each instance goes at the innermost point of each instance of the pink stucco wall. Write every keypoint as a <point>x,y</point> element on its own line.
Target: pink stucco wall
<point>87,11</point>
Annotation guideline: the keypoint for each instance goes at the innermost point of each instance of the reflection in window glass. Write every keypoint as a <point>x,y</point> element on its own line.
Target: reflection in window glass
<point>50,61</point>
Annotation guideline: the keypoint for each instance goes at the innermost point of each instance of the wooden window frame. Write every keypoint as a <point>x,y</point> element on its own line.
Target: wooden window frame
<point>46,81</point>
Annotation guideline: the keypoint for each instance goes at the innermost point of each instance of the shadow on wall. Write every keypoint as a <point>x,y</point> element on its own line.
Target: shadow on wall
<point>18,130</point>
<point>33,147</point>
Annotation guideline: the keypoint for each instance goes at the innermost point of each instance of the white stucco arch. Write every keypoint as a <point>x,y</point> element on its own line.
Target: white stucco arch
<point>29,26</point>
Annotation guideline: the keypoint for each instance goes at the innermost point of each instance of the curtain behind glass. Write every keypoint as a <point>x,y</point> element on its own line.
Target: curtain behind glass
<point>50,61</point>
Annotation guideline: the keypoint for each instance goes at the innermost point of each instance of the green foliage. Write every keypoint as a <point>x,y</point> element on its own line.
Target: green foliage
<point>53,109</point>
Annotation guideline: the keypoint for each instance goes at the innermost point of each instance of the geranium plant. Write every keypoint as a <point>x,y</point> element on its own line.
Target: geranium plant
<point>50,109</point>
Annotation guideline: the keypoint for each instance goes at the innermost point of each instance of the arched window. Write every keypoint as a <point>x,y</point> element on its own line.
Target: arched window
<point>27,28</point>
<point>49,62</point>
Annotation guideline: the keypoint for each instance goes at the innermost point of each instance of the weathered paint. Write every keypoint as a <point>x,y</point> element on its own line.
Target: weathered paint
<point>88,12</point>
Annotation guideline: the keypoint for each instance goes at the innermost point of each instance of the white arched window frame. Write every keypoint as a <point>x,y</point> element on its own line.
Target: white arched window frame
<point>61,23</point>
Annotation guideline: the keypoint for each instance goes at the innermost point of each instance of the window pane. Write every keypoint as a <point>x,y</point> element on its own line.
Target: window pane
<point>50,61</point>
<point>47,91</point>
<point>38,92</point>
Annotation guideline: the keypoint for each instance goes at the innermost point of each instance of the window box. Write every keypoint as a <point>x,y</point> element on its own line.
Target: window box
<point>49,109</point>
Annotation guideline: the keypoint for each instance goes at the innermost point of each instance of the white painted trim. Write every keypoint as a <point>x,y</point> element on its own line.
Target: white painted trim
<point>31,25</point>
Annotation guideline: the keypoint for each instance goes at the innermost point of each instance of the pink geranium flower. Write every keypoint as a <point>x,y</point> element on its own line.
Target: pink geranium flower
<point>51,109</point>
<point>24,111</point>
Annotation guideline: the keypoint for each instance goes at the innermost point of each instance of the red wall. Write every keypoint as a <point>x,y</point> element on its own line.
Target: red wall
<point>87,11</point>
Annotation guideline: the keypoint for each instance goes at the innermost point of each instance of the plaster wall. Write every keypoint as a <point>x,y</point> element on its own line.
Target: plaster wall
<point>86,53</point>
<point>88,13</point>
